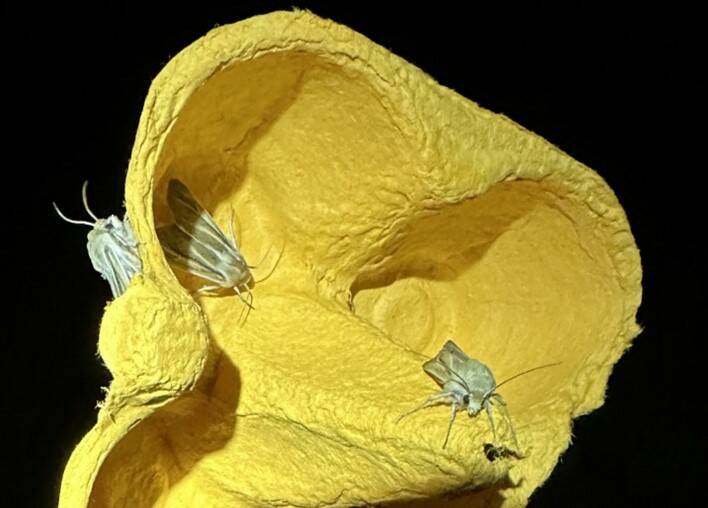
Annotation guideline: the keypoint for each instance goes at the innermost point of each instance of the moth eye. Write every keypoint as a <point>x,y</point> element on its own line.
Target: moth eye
<point>466,398</point>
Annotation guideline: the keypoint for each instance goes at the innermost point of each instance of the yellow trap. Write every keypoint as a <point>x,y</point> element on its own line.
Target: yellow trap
<point>408,216</point>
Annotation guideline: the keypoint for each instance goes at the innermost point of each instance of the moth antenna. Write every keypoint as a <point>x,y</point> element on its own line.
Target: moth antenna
<point>231,230</point>
<point>71,221</point>
<point>247,307</point>
<point>253,267</point>
<point>86,206</point>
<point>275,265</point>
<point>234,218</point>
<point>525,372</point>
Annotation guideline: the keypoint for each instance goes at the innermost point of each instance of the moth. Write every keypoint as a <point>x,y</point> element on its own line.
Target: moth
<point>467,384</point>
<point>195,244</point>
<point>112,247</point>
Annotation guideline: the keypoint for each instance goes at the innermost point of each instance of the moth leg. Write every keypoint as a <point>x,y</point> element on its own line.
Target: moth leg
<point>507,418</point>
<point>434,399</point>
<point>208,290</point>
<point>488,407</point>
<point>240,296</point>
<point>248,305</point>
<point>453,413</point>
<point>498,398</point>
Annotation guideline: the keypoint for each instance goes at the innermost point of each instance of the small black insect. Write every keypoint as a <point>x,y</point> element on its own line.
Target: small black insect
<point>493,452</point>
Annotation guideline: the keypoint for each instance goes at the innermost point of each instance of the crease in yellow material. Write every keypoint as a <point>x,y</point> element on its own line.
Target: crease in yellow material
<point>409,216</point>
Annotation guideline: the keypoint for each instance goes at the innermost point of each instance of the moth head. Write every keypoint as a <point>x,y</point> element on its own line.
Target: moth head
<point>113,227</point>
<point>473,401</point>
<point>112,222</point>
<point>235,271</point>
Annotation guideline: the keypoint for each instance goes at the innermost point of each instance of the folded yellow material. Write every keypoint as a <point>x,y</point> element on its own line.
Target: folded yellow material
<point>408,216</point>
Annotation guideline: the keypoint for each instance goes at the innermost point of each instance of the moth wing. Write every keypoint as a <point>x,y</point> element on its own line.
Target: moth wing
<point>123,269</point>
<point>199,246</point>
<point>194,220</point>
<point>437,371</point>
<point>127,235</point>
<point>453,351</point>
<point>185,253</point>
<point>475,375</point>
<point>116,259</point>
<point>450,364</point>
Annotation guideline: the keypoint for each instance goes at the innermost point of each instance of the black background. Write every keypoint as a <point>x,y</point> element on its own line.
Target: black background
<point>617,90</point>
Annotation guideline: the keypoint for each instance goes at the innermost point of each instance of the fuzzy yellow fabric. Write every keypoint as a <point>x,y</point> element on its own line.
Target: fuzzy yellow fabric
<point>407,215</point>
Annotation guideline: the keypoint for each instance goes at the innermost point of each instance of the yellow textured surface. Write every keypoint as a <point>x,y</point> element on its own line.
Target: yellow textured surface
<point>408,215</point>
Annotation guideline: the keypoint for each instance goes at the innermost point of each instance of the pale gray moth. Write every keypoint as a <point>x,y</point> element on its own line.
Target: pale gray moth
<point>195,244</point>
<point>111,246</point>
<point>466,384</point>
